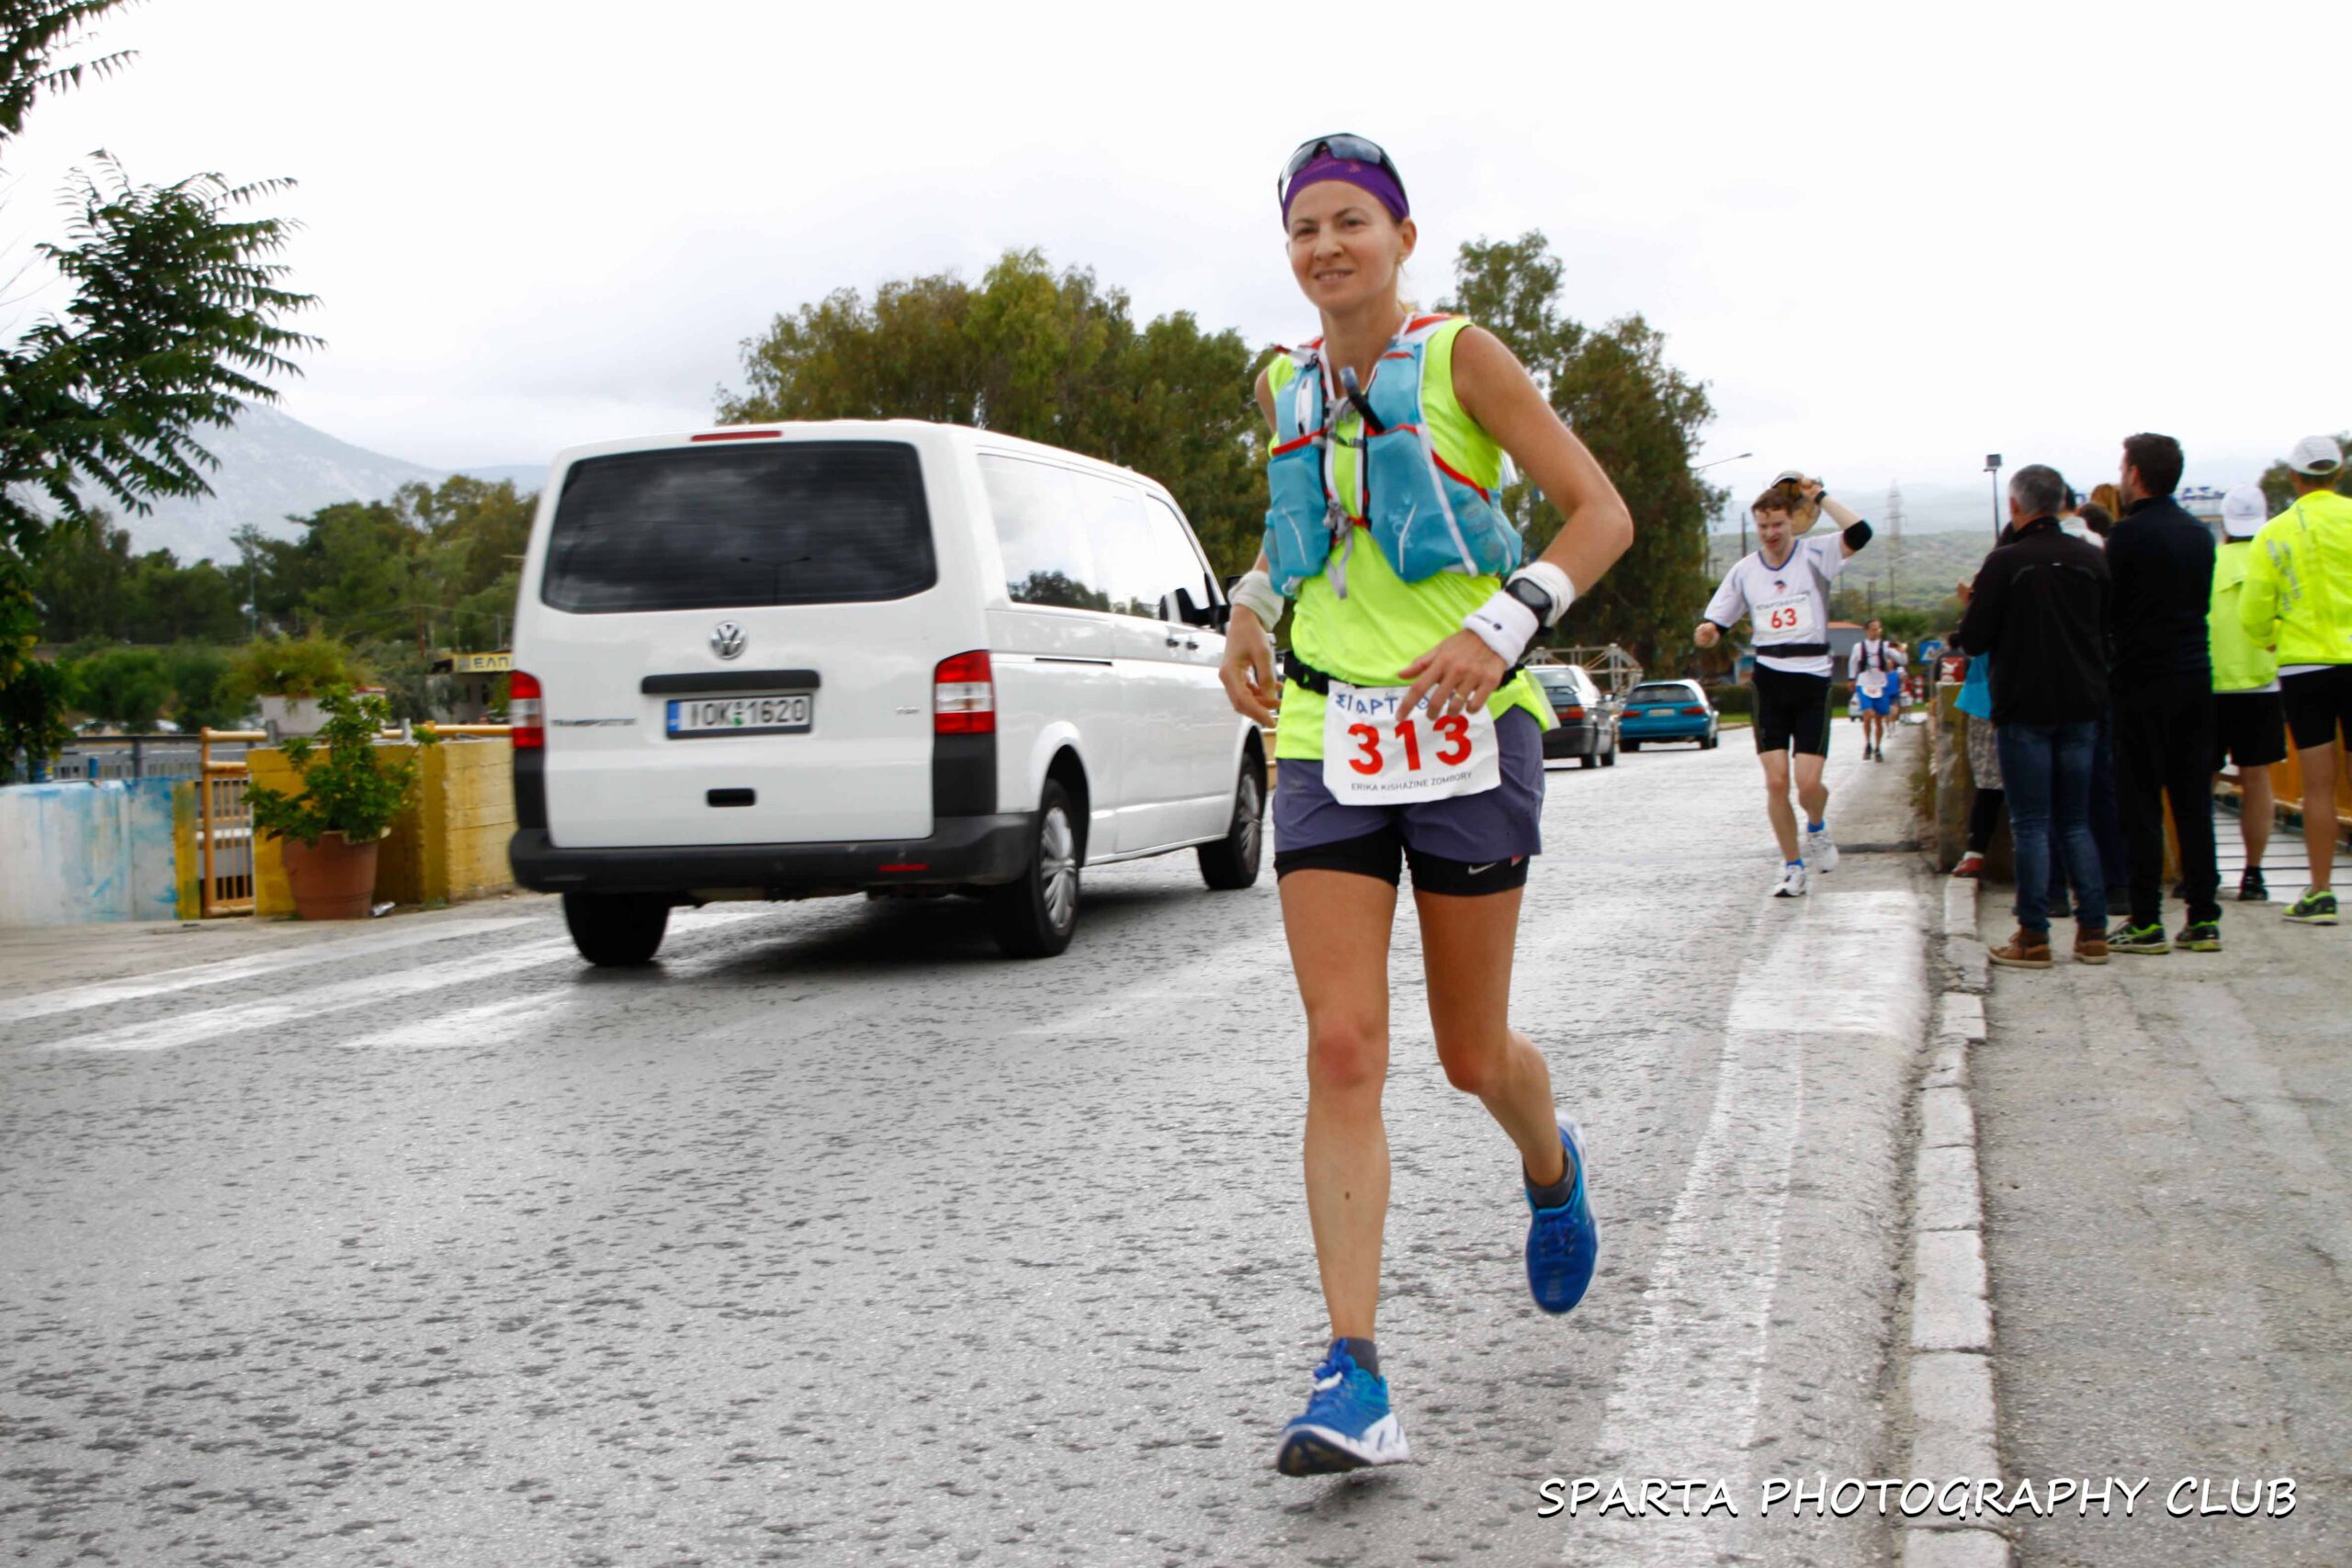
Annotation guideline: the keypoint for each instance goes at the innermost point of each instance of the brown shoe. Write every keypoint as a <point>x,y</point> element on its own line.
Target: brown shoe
<point>2089,949</point>
<point>2027,949</point>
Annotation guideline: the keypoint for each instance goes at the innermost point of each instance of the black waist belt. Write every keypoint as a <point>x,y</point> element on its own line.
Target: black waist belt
<point>1791,649</point>
<point>1298,669</point>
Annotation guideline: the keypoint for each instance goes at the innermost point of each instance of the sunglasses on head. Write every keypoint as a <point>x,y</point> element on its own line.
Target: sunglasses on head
<point>1354,148</point>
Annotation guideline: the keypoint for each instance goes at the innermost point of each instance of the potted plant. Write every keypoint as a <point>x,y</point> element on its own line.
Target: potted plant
<point>351,791</point>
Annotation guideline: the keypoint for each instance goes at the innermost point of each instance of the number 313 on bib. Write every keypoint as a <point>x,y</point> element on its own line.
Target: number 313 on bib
<point>1375,753</point>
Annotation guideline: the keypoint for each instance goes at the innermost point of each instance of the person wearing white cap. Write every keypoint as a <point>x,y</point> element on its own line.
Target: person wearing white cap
<point>2297,600</point>
<point>2249,719</point>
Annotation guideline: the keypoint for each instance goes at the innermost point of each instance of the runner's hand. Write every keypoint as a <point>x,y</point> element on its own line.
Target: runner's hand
<point>1708,634</point>
<point>1457,675</point>
<point>1249,667</point>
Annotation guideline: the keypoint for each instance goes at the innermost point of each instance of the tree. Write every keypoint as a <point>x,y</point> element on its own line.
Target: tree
<point>175,315</point>
<point>1052,357</point>
<point>1640,416</point>
<point>2279,480</point>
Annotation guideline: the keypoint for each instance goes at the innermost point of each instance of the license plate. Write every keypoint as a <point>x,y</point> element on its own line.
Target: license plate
<point>752,712</point>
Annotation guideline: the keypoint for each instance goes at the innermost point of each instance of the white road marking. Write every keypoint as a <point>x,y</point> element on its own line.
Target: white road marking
<point>108,993</point>
<point>234,1018</point>
<point>1687,1393</point>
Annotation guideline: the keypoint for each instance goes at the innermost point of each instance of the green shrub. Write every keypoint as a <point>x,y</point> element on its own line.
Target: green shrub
<point>290,667</point>
<point>1734,697</point>
<point>125,686</point>
<point>354,788</point>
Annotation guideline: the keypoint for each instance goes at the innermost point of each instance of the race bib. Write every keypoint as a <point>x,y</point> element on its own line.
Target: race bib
<point>1788,618</point>
<point>1873,682</point>
<point>1376,754</point>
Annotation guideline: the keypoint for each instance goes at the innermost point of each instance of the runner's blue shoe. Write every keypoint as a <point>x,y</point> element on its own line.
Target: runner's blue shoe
<point>1564,1243</point>
<point>1347,1424</point>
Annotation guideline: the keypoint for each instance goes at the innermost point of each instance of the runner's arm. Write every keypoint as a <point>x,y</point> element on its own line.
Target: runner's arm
<point>1247,672</point>
<point>1462,671</point>
<point>1723,611</point>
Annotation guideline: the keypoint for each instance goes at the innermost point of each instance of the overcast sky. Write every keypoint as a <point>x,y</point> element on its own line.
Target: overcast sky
<point>1891,238</point>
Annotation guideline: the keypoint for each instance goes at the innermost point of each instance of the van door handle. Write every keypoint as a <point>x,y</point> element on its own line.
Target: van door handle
<point>1184,642</point>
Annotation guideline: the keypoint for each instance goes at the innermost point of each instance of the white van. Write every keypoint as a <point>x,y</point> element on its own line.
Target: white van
<point>786,661</point>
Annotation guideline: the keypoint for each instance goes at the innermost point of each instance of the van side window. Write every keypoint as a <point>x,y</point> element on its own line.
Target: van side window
<point>1042,533</point>
<point>1181,564</point>
<point>1116,526</point>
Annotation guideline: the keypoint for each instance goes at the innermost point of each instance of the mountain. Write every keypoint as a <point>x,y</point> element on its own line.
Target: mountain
<point>274,467</point>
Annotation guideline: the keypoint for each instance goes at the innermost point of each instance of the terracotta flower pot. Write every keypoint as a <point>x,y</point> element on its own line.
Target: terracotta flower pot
<point>333,879</point>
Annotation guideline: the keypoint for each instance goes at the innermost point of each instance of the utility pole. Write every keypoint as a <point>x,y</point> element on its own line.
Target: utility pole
<point>1893,541</point>
<point>1993,466</point>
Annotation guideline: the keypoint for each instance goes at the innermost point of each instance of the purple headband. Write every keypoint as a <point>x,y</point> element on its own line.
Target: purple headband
<point>1369,178</point>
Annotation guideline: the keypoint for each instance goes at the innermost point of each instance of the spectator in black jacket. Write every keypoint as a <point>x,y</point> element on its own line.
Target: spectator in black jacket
<point>2040,606</point>
<point>2162,560</point>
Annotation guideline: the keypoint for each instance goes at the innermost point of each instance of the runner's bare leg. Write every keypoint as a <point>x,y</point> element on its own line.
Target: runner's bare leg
<point>1339,923</point>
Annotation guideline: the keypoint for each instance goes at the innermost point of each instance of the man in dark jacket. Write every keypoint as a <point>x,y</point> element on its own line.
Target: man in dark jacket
<point>2040,606</point>
<point>2161,561</point>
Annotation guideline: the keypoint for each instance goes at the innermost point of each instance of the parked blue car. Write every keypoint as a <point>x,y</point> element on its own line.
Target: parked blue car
<point>1667,710</point>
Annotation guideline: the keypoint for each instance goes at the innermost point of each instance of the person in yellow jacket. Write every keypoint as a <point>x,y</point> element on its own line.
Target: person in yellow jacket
<point>1407,735</point>
<point>2249,718</point>
<point>2298,601</point>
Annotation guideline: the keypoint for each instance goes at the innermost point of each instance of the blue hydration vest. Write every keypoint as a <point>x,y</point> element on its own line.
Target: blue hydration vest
<point>1425,515</point>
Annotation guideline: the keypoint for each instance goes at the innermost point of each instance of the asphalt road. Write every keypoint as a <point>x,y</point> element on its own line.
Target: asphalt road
<point>838,1238</point>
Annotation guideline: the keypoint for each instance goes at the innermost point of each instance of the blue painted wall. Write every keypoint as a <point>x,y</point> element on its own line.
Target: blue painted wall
<point>77,852</point>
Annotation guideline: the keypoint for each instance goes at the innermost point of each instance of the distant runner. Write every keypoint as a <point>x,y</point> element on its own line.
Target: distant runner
<point>1782,589</point>
<point>1875,669</point>
<point>1387,422</point>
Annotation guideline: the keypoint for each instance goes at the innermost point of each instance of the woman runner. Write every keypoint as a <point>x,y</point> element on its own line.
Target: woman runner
<point>1391,432</point>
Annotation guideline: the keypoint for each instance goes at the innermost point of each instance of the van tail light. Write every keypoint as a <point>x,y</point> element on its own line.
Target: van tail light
<point>1694,713</point>
<point>525,717</point>
<point>963,695</point>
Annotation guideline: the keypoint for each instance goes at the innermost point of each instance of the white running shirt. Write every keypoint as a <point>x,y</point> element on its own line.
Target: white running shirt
<point>1880,655</point>
<point>1785,603</point>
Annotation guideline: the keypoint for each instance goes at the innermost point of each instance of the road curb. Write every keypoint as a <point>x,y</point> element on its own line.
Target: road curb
<point>1949,1381</point>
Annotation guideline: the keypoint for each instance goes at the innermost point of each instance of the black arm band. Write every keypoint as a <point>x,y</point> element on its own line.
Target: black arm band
<point>1858,533</point>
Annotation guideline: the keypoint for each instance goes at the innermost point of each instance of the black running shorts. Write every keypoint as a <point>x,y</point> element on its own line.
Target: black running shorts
<point>2319,705</point>
<point>1385,853</point>
<point>1792,712</point>
<point>2249,728</point>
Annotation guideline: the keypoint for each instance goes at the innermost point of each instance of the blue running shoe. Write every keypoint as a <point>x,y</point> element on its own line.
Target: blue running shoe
<point>1564,1243</point>
<point>1347,1424</point>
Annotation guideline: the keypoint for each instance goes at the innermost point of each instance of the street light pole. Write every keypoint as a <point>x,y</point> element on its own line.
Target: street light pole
<point>1993,466</point>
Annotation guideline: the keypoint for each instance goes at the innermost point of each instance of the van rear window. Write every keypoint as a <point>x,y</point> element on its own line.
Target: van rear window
<point>716,528</point>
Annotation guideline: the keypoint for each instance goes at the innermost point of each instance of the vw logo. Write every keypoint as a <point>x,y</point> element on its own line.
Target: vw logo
<point>727,640</point>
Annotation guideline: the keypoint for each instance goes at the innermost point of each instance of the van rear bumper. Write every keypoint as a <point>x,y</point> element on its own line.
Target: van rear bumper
<point>965,850</point>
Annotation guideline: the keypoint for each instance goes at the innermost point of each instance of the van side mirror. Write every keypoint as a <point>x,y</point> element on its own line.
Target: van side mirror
<point>1193,615</point>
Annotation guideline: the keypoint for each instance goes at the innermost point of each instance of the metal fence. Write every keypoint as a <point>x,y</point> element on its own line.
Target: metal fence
<point>133,757</point>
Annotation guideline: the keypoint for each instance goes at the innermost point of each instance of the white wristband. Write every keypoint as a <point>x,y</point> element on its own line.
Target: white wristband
<point>1504,624</point>
<point>1255,592</point>
<point>1554,583</point>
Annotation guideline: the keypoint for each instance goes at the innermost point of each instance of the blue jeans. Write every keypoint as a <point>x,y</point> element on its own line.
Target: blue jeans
<point>2107,826</point>
<point>2047,770</point>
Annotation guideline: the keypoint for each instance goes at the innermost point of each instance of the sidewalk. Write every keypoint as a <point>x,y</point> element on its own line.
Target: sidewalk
<point>42,958</point>
<point>2167,1149</point>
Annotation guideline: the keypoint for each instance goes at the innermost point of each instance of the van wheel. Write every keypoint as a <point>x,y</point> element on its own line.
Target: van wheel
<point>1034,915</point>
<point>1232,861</point>
<point>616,929</point>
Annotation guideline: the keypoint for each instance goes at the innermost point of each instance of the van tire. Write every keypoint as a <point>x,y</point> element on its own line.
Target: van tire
<point>616,930</point>
<point>1231,863</point>
<point>1035,915</point>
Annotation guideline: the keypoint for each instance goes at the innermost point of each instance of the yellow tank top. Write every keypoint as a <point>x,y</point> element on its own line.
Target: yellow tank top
<point>1385,622</point>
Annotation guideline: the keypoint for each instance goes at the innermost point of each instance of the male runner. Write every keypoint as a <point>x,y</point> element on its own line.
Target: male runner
<point>1875,670</point>
<point>1783,591</point>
